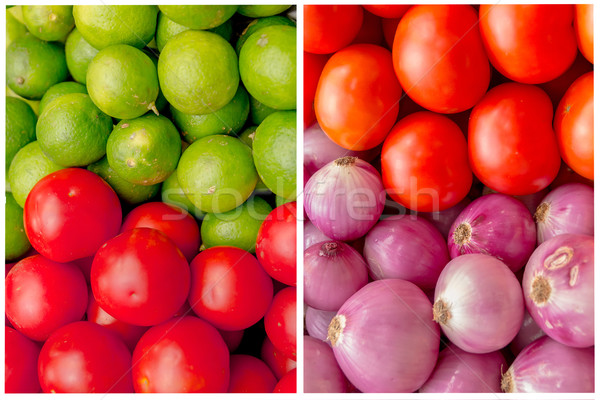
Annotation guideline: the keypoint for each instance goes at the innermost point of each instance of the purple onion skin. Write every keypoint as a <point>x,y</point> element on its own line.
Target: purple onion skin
<point>406,247</point>
<point>345,198</point>
<point>546,366</point>
<point>460,372</point>
<point>319,150</point>
<point>333,271</point>
<point>313,235</point>
<point>317,322</point>
<point>478,303</point>
<point>567,209</point>
<point>321,371</point>
<point>531,201</point>
<point>384,337</point>
<point>529,332</point>
<point>443,220</point>
<point>496,225</point>
<point>558,286</point>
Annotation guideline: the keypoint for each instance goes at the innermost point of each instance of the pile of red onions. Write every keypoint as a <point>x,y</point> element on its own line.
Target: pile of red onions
<point>321,372</point>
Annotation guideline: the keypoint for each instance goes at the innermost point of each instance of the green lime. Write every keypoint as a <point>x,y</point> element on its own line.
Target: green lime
<point>259,111</point>
<point>247,136</point>
<point>167,28</point>
<point>103,26</point>
<point>33,66</point>
<point>14,29</point>
<point>79,55</point>
<point>238,227</point>
<point>279,201</point>
<point>49,22</point>
<point>225,30</point>
<point>122,82</point>
<point>72,131</point>
<point>60,89</point>
<point>258,11</point>
<point>226,121</point>
<point>16,242</point>
<point>144,150</point>
<point>127,191</point>
<point>199,17</point>
<point>27,168</point>
<point>198,72</point>
<point>172,193</point>
<point>17,12</point>
<point>20,126</point>
<point>274,153</point>
<point>260,23</point>
<point>34,104</point>
<point>160,102</point>
<point>217,173</point>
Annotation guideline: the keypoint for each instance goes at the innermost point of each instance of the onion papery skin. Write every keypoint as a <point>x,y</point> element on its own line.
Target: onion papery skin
<point>529,332</point>
<point>460,372</point>
<point>567,209</point>
<point>406,247</point>
<point>558,286</point>
<point>496,225</point>
<point>317,322</point>
<point>531,201</point>
<point>384,338</point>
<point>313,235</point>
<point>333,271</point>
<point>478,303</point>
<point>345,198</point>
<point>546,366</point>
<point>444,219</point>
<point>321,371</point>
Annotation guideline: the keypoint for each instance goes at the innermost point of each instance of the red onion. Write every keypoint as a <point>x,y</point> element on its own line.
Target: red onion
<point>460,372</point>
<point>406,247</point>
<point>443,220</point>
<point>333,271</point>
<point>478,303</point>
<point>313,235</point>
<point>531,201</point>
<point>529,332</point>
<point>345,198</point>
<point>384,338</point>
<point>558,285</point>
<point>567,209</point>
<point>321,372</point>
<point>317,322</point>
<point>546,366</point>
<point>319,150</point>
<point>496,225</point>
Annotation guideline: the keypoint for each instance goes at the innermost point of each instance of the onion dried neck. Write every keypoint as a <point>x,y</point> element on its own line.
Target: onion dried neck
<point>507,384</point>
<point>345,161</point>
<point>541,212</point>
<point>540,290</point>
<point>441,312</point>
<point>336,329</point>
<point>462,234</point>
<point>329,249</point>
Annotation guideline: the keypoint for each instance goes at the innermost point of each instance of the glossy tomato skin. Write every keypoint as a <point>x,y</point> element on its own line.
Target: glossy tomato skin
<point>389,26</point>
<point>280,322</point>
<point>424,163</point>
<point>439,57</point>
<point>250,375</point>
<point>557,88</point>
<point>232,339</point>
<point>140,277</point>
<point>529,43</point>
<point>279,363</point>
<point>356,102</point>
<point>83,357</point>
<point>388,10</point>
<point>42,295</point>
<point>313,66</point>
<point>584,30</point>
<point>512,147</point>
<point>70,213</point>
<point>370,31</point>
<point>287,383</point>
<point>574,126</point>
<point>276,244</point>
<point>229,288</point>
<point>328,28</point>
<point>20,363</point>
<point>182,355</point>
<point>176,223</point>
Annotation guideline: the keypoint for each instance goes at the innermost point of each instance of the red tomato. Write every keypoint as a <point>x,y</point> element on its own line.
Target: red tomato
<point>232,339</point>
<point>512,148</point>
<point>43,295</point>
<point>280,322</point>
<point>83,357</point>
<point>140,277</point>
<point>313,65</point>
<point>250,375</point>
<point>130,334</point>
<point>357,97</point>
<point>388,10</point>
<point>229,288</point>
<point>85,265</point>
<point>173,221</point>
<point>557,88</point>
<point>276,244</point>
<point>370,31</point>
<point>20,363</point>
<point>275,359</point>
<point>567,175</point>
<point>439,57</point>
<point>70,213</point>
<point>389,26</point>
<point>529,43</point>
<point>328,28</point>
<point>574,126</point>
<point>584,30</point>
<point>287,383</point>
<point>184,355</point>
<point>424,163</point>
